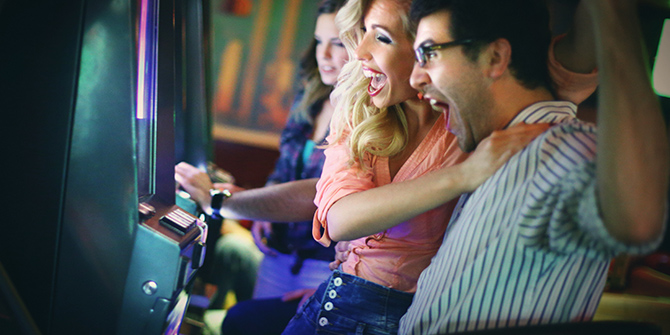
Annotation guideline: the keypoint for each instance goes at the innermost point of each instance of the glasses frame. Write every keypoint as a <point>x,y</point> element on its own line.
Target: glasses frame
<point>420,52</point>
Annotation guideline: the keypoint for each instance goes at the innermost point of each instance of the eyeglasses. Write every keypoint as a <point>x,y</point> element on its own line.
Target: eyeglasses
<point>422,50</point>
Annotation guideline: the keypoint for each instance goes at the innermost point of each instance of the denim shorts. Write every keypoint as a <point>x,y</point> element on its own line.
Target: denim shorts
<point>346,304</point>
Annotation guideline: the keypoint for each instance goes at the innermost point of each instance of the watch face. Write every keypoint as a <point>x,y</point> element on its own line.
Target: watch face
<point>218,196</point>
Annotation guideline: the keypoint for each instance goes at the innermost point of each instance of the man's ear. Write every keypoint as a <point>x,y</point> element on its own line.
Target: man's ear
<point>499,55</point>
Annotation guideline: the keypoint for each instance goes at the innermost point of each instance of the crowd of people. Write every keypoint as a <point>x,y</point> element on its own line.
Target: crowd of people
<point>434,177</point>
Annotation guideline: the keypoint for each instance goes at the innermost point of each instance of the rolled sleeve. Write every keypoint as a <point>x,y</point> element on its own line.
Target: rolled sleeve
<point>562,214</point>
<point>337,181</point>
<point>592,223</point>
<point>576,224</point>
<point>571,86</point>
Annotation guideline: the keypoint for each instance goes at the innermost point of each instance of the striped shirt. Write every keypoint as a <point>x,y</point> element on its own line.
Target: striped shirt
<point>528,246</point>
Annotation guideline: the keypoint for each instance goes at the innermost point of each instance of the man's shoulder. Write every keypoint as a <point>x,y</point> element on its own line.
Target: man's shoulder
<point>576,125</point>
<point>568,137</point>
<point>565,149</point>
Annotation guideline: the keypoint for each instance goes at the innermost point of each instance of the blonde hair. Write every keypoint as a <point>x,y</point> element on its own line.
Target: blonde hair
<point>370,130</point>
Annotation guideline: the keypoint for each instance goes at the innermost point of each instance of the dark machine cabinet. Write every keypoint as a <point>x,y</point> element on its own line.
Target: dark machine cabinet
<point>92,241</point>
<point>168,251</point>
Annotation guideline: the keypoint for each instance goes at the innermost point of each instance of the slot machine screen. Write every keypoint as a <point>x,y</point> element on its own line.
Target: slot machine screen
<point>146,98</point>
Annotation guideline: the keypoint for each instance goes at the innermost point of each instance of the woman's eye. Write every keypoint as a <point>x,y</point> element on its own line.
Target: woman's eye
<point>431,54</point>
<point>364,30</point>
<point>383,39</point>
<point>339,44</point>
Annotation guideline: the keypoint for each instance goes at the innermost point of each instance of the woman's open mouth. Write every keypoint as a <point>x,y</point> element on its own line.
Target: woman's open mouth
<point>377,81</point>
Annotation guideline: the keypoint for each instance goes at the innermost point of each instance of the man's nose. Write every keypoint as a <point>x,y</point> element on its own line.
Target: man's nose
<point>419,77</point>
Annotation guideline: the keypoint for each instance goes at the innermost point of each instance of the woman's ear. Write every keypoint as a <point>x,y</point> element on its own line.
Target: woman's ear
<point>499,55</point>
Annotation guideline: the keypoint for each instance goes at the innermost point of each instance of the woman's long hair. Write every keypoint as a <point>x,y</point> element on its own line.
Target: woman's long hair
<point>371,130</point>
<point>314,90</point>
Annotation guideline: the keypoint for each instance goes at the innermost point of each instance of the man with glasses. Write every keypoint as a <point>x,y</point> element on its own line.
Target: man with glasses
<point>533,243</point>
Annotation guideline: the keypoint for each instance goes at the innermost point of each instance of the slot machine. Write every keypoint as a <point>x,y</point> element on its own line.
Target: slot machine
<point>193,122</point>
<point>92,241</point>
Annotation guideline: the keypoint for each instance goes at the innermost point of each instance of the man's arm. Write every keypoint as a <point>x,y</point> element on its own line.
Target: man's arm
<point>632,161</point>
<point>285,202</point>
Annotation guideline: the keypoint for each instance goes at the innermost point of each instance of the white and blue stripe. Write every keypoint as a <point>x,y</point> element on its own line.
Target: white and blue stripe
<point>528,246</point>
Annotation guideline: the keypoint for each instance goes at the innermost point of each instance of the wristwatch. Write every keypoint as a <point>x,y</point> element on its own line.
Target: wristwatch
<point>217,198</point>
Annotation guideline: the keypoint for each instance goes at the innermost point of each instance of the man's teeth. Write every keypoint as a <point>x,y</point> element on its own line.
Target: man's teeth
<point>433,102</point>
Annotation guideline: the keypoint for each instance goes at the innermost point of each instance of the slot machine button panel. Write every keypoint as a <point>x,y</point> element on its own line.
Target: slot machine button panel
<point>179,221</point>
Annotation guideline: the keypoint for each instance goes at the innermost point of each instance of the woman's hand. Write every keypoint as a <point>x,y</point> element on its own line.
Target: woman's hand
<point>341,255</point>
<point>492,152</point>
<point>195,182</point>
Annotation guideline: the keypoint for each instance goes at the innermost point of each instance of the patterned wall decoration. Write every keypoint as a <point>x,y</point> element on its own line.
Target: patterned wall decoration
<point>256,46</point>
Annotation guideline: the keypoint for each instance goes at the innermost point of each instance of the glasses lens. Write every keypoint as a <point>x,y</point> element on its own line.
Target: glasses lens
<point>420,57</point>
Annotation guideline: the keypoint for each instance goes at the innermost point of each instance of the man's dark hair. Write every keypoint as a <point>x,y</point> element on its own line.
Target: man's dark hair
<point>524,23</point>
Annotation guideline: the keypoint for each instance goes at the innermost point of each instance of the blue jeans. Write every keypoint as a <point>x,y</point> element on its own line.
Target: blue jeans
<point>275,278</point>
<point>346,304</point>
<point>258,317</point>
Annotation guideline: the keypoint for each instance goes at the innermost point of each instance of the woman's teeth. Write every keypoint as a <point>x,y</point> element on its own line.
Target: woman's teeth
<point>377,81</point>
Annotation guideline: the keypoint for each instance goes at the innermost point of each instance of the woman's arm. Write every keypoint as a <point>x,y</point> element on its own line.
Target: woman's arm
<point>576,51</point>
<point>377,209</point>
<point>286,202</point>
